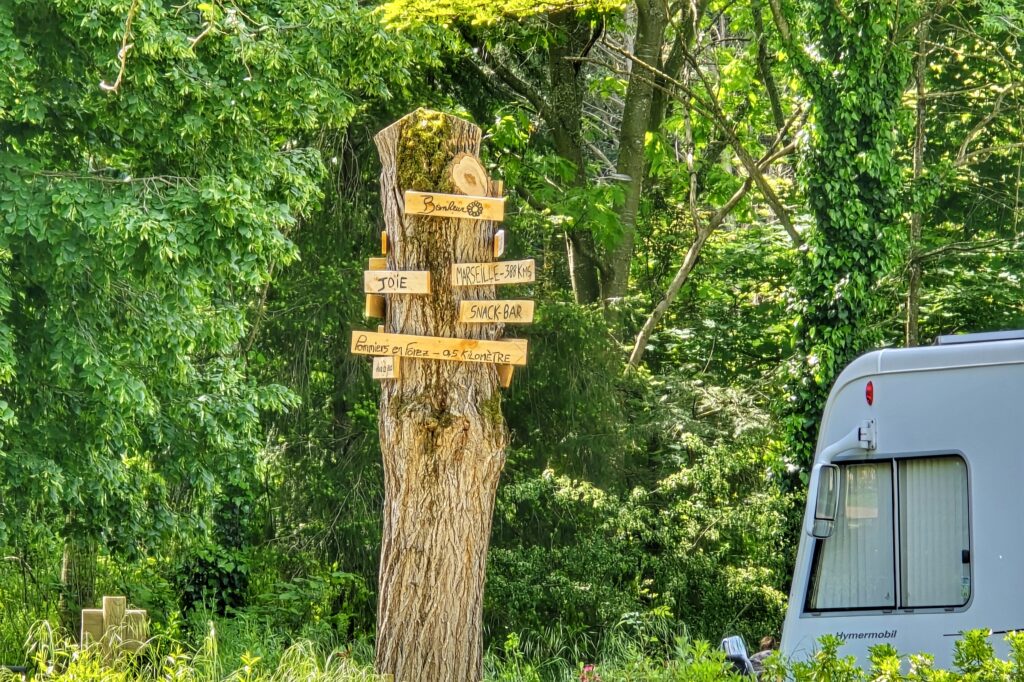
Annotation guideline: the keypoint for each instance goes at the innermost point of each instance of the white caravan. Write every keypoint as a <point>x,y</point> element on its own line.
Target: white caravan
<point>914,527</point>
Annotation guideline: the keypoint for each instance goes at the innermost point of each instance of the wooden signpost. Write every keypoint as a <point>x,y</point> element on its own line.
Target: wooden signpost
<point>442,361</point>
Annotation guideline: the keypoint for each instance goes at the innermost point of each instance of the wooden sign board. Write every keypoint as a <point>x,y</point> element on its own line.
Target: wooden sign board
<point>396,282</point>
<point>483,274</point>
<point>489,312</point>
<point>454,206</point>
<point>387,367</point>
<point>378,264</point>
<point>508,352</point>
<point>499,243</point>
<point>505,375</point>
<point>375,306</point>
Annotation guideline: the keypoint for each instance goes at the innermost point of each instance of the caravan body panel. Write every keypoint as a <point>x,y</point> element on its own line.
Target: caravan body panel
<point>932,408</point>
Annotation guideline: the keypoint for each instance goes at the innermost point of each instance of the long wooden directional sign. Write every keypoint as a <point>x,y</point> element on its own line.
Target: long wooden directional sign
<point>509,312</point>
<point>509,352</point>
<point>454,206</point>
<point>396,282</point>
<point>502,272</point>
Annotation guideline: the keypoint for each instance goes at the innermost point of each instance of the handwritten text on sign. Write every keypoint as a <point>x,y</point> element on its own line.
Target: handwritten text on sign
<point>509,352</point>
<point>386,367</point>
<point>502,272</point>
<point>396,282</point>
<point>512,312</point>
<point>454,206</point>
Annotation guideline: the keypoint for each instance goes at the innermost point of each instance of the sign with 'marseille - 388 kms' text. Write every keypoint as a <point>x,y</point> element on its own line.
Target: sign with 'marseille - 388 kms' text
<point>454,206</point>
<point>501,272</point>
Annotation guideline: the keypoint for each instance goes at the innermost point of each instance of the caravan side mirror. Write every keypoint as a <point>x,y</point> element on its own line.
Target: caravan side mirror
<point>825,488</point>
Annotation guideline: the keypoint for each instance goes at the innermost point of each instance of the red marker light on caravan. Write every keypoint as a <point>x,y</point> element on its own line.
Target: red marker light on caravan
<point>869,393</point>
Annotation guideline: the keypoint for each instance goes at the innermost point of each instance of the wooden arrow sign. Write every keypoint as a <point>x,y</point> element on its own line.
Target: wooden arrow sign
<point>396,282</point>
<point>454,206</point>
<point>509,352</point>
<point>489,312</point>
<point>502,272</point>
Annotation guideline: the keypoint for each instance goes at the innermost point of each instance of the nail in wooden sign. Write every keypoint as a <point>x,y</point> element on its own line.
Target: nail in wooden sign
<point>489,312</point>
<point>508,352</point>
<point>483,274</point>
<point>388,367</point>
<point>396,282</point>
<point>454,206</point>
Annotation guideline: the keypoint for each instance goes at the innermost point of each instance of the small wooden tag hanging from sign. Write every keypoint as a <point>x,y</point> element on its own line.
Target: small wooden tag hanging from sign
<point>483,274</point>
<point>491,312</point>
<point>388,367</point>
<point>396,282</point>
<point>454,206</point>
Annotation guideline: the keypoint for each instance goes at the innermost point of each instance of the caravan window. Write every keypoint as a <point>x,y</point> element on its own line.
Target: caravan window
<point>900,538</point>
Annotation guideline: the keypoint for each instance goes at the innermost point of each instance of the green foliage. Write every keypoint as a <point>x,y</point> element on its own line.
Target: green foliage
<point>697,544</point>
<point>852,177</point>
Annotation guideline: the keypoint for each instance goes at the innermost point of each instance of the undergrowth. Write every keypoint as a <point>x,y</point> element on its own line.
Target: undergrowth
<point>550,656</point>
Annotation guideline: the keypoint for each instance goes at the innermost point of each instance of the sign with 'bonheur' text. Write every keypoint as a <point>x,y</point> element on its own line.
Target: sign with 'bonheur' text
<point>454,206</point>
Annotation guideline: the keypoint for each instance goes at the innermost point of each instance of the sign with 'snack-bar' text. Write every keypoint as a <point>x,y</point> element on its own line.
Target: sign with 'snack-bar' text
<point>507,352</point>
<point>489,312</point>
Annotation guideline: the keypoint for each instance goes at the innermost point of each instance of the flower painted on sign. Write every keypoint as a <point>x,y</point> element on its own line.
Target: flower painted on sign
<point>475,208</point>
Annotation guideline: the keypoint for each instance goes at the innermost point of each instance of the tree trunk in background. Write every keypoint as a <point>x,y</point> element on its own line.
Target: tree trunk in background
<point>442,433</point>
<point>636,116</point>
<point>564,113</point>
<point>77,582</point>
<point>912,335</point>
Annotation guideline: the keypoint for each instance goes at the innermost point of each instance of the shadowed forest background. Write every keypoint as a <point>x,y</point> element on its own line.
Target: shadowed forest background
<point>727,202</point>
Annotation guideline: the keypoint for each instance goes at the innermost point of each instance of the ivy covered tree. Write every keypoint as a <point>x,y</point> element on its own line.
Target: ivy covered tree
<point>855,60</point>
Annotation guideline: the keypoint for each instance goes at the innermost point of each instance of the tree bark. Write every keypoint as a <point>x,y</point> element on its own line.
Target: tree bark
<point>636,116</point>
<point>564,114</point>
<point>442,434</point>
<point>77,582</point>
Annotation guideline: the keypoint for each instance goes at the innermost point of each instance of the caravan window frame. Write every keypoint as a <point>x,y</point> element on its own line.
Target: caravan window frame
<point>897,552</point>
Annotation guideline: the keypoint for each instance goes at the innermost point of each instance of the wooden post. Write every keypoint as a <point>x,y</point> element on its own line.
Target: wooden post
<point>442,433</point>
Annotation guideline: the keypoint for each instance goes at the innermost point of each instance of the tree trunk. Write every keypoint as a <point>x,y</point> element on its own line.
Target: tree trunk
<point>914,267</point>
<point>77,582</point>
<point>650,36</point>
<point>564,113</point>
<point>442,433</point>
